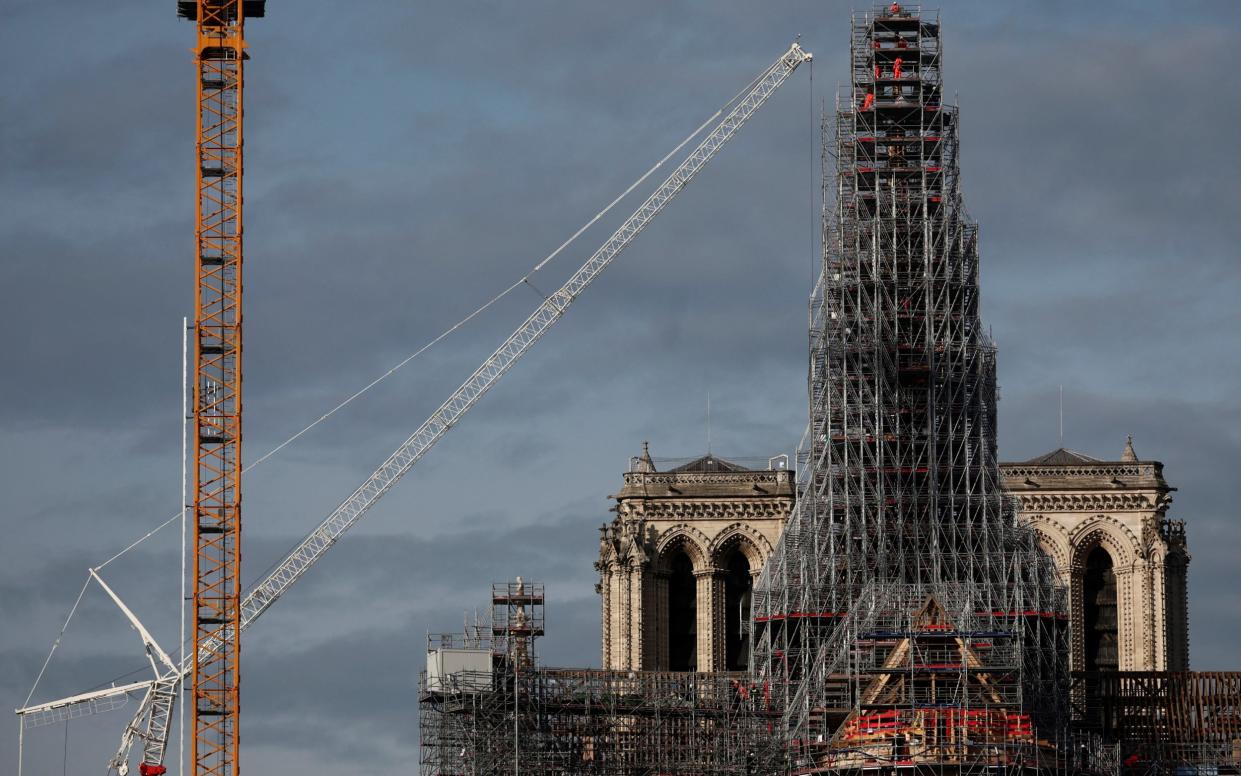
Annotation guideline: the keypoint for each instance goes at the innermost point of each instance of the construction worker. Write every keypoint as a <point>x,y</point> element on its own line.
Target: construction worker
<point>894,9</point>
<point>869,101</point>
<point>896,67</point>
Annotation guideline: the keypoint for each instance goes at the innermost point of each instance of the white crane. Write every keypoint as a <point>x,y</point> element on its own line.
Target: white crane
<point>150,722</point>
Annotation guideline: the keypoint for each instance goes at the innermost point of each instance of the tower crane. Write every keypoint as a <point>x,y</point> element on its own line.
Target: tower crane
<point>150,721</point>
<point>220,55</point>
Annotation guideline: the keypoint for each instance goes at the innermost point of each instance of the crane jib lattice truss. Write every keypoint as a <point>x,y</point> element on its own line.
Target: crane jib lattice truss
<point>215,649</point>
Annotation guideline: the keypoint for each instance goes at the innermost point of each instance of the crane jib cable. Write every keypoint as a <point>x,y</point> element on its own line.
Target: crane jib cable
<point>524,279</point>
<point>306,553</point>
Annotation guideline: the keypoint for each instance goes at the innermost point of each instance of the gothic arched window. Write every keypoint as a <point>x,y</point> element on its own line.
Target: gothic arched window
<point>1099,622</point>
<point>737,585</point>
<point>682,614</point>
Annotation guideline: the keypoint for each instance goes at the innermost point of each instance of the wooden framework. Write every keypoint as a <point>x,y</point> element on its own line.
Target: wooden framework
<point>1159,713</point>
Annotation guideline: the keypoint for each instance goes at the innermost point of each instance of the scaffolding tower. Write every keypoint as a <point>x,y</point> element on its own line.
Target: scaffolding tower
<point>905,618</point>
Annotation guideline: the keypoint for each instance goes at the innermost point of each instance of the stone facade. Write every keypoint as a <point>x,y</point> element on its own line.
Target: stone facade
<point>1105,525</point>
<point>670,562</point>
<point>677,562</point>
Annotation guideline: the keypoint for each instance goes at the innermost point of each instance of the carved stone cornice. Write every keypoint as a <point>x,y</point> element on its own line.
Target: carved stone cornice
<point>723,509</point>
<point>773,477</point>
<point>1091,471</point>
<point>1085,502</point>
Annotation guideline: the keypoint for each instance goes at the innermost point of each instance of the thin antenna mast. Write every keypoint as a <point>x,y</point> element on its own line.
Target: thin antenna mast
<point>1061,416</point>
<point>185,421</point>
<point>708,423</point>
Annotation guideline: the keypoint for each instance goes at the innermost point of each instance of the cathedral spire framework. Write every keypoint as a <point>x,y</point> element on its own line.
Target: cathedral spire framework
<point>905,616</point>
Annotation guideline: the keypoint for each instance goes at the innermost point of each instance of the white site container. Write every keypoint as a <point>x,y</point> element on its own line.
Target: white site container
<point>458,670</point>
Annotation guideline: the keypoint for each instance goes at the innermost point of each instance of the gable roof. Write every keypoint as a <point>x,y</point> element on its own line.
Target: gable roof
<point>1062,456</point>
<point>709,463</point>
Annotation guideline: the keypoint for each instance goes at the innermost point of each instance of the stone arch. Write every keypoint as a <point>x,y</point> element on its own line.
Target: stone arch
<point>744,537</point>
<point>1112,535</point>
<point>681,567</point>
<point>737,555</point>
<point>682,536</point>
<point>1100,622</point>
<point>1125,551</point>
<point>1051,539</point>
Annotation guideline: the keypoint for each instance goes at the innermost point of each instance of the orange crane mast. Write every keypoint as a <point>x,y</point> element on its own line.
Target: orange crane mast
<point>220,54</point>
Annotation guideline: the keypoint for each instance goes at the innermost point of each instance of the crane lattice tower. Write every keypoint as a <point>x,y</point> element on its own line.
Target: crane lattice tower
<point>220,54</point>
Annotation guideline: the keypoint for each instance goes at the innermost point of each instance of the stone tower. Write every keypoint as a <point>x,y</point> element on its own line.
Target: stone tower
<point>678,562</point>
<point>1105,525</point>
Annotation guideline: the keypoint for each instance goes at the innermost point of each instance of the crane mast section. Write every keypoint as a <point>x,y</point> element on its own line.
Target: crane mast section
<point>518,343</point>
<point>216,615</point>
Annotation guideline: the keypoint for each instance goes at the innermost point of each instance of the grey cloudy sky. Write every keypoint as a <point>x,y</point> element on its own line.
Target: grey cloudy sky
<point>407,161</point>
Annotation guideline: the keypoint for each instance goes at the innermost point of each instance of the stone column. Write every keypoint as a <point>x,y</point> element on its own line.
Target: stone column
<point>650,619</point>
<point>719,627</point>
<point>636,600</point>
<point>660,624</point>
<point>1157,593</point>
<point>709,608</point>
<point>1128,601</point>
<point>1144,597</point>
<point>1077,620</point>
<point>631,614</point>
<point>618,618</point>
<point>605,614</point>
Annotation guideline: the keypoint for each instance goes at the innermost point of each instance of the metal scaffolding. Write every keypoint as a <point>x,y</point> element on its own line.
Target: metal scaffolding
<point>487,707</point>
<point>590,721</point>
<point>906,618</point>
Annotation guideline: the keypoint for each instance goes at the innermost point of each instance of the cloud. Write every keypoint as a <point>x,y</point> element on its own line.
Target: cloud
<point>425,159</point>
